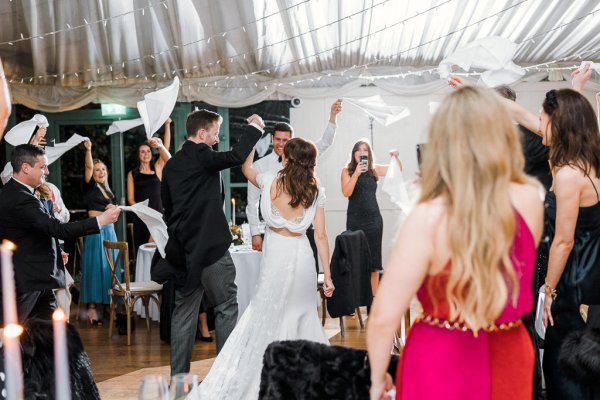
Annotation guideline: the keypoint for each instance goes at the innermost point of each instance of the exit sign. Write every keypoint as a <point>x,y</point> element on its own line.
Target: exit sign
<point>113,109</point>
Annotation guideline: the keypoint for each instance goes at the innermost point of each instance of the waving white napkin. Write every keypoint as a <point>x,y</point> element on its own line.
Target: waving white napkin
<point>154,221</point>
<point>263,144</point>
<point>124,125</point>
<point>403,194</point>
<point>157,106</point>
<point>493,54</point>
<point>52,153</point>
<point>55,152</point>
<point>21,133</point>
<point>379,110</point>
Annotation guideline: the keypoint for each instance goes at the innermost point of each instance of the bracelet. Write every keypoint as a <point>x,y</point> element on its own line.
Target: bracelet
<point>550,289</point>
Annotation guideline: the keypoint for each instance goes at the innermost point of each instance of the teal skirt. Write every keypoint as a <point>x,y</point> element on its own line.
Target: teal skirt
<point>96,276</point>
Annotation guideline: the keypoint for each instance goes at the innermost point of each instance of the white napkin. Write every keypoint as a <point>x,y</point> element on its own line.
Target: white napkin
<point>379,110</point>
<point>21,133</point>
<point>124,125</point>
<point>55,152</point>
<point>403,195</point>
<point>52,153</point>
<point>7,173</point>
<point>263,144</point>
<point>157,106</point>
<point>493,54</point>
<point>154,221</point>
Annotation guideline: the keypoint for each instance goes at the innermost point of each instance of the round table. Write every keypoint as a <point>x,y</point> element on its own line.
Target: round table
<point>247,270</point>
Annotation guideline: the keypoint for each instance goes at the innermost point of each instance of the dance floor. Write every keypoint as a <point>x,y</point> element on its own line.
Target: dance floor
<point>119,369</point>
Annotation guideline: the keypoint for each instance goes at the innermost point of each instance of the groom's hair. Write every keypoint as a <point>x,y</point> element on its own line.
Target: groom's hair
<point>200,119</point>
<point>25,154</point>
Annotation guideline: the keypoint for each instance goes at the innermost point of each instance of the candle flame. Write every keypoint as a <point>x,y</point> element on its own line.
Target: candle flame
<point>232,201</point>
<point>8,245</point>
<point>58,315</point>
<point>12,330</point>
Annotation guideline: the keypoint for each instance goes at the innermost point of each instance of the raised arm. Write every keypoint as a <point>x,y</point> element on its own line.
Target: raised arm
<point>405,271</point>
<point>5,106</point>
<point>167,137</point>
<point>156,143</point>
<point>325,141</point>
<point>130,189</point>
<point>323,249</point>
<point>581,76</point>
<point>249,172</point>
<point>89,161</point>
<point>519,113</point>
<point>382,169</point>
<point>220,160</point>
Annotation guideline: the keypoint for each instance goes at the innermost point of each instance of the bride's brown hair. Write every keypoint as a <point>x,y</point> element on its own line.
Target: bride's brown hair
<point>297,178</point>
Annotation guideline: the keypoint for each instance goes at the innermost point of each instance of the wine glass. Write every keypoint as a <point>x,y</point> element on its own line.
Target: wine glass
<point>153,387</point>
<point>182,385</point>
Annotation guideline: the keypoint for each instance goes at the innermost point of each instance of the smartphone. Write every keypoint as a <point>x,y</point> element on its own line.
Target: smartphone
<point>364,159</point>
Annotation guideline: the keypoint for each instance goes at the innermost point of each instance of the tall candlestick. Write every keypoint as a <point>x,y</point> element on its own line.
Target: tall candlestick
<point>61,357</point>
<point>232,212</point>
<point>12,361</point>
<point>9,297</point>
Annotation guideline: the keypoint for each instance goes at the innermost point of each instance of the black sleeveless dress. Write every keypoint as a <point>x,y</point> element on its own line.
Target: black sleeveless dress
<point>363,214</point>
<point>579,284</point>
<point>146,186</point>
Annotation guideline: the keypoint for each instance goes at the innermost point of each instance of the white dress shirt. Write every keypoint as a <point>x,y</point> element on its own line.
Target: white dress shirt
<point>270,163</point>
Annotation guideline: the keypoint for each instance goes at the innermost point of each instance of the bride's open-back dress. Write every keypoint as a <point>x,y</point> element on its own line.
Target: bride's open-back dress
<point>283,308</point>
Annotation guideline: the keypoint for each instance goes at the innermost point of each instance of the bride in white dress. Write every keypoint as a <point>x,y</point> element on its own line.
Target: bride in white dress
<point>285,304</point>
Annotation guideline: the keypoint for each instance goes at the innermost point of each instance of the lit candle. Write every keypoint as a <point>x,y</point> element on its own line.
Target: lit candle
<point>9,297</point>
<point>61,363</point>
<point>12,361</point>
<point>232,212</point>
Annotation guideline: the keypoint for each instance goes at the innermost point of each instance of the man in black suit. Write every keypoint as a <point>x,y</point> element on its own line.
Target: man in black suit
<point>24,221</point>
<point>199,235</point>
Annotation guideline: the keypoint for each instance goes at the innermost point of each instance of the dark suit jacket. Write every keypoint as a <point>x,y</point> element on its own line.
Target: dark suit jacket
<point>350,274</point>
<point>192,197</point>
<point>37,260</point>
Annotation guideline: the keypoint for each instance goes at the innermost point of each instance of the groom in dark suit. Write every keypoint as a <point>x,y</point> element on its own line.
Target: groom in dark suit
<point>199,235</point>
<point>24,221</point>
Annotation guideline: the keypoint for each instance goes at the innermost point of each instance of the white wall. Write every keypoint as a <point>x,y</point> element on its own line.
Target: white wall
<point>309,121</point>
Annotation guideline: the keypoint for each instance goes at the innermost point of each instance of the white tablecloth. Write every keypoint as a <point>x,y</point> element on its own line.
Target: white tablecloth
<point>142,274</point>
<point>247,269</point>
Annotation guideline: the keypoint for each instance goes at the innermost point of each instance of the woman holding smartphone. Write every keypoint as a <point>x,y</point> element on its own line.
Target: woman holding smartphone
<point>359,184</point>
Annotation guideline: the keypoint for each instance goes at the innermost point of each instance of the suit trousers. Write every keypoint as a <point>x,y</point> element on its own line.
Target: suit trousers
<point>36,304</point>
<point>218,285</point>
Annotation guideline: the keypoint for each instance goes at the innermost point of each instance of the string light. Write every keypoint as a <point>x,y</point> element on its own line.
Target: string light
<point>544,66</point>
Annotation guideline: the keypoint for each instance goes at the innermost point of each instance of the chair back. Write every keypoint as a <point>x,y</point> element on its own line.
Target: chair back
<point>121,259</point>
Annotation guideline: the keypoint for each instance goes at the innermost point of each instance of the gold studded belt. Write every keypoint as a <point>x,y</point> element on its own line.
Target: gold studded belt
<point>461,326</point>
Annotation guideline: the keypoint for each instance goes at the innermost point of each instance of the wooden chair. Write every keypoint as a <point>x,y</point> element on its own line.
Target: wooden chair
<point>133,254</point>
<point>77,268</point>
<point>128,291</point>
<point>320,280</point>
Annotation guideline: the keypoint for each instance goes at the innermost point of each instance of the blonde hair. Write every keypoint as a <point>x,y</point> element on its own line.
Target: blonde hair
<point>473,154</point>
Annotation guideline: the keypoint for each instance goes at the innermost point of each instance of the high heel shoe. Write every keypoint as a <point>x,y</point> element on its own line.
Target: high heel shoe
<point>93,316</point>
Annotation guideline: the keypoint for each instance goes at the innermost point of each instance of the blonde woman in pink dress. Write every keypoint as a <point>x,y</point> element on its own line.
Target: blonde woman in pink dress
<point>467,251</point>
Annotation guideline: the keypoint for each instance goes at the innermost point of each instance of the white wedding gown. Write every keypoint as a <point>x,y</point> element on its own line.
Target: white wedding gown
<point>283,308</point>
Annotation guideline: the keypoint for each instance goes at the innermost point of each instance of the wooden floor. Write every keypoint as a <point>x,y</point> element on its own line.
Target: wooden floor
<point>112,357</point>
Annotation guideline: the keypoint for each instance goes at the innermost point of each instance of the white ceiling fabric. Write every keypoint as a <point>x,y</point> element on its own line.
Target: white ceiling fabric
<point>60,55</point>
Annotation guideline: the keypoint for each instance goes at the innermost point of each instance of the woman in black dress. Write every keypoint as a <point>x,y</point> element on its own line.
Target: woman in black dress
<point>359,184</point>
<point>143,182</point>
<point>567,124</point>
